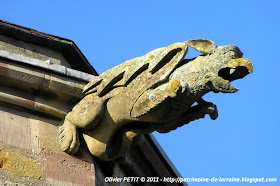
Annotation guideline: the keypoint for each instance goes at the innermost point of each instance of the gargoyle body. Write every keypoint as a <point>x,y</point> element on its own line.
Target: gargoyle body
<point>154,92</point>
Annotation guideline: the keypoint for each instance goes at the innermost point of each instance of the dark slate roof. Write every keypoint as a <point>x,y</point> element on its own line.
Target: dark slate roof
<point>65,46</point>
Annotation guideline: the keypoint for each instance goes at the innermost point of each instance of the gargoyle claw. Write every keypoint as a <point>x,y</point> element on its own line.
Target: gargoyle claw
<point>213,111</point>
<point>69,140</point>
<point>209,107</point>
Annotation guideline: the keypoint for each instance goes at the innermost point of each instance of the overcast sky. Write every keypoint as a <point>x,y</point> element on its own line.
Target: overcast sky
<point>244,140</point>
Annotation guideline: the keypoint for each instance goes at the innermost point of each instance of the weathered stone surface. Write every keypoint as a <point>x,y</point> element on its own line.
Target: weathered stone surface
<point>9,183</point>
<point>13,134</point>
<point>20,165</point>
<point>62,169</point>
<point>54,92</point>
<point>47,134</point>
<point>152,92</point>
<point>31,50</point>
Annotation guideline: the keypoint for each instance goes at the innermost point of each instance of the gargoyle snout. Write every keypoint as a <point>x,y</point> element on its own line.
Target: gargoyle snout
<point>233,70</point>
<point>236,69</point>
<point>241,62</point>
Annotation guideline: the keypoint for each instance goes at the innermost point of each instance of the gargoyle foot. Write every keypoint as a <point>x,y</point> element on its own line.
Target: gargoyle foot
<point>208,108</point>
<point>69,139</point>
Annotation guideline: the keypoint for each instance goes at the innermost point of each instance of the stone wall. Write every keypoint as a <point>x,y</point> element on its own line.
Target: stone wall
<point>30,154</point>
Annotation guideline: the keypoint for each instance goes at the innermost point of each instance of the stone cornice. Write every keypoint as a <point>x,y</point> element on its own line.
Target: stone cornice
<point>26,75</point>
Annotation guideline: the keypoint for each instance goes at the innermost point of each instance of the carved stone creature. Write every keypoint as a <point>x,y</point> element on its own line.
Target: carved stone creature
<point>152,92</point>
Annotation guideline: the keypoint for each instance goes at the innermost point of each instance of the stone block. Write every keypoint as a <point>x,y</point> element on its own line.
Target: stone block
<point>20,165</point>
<point>15,128</point>
<point>48,134</point>
<point>63,169</point>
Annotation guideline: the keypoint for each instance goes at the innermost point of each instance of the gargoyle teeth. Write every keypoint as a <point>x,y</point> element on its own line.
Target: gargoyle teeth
<point>232,70</point>
<point>230,89</point>
<point>233,89</point>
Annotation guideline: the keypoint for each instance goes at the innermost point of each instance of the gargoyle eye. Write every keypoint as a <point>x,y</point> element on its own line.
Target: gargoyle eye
<point>207,76</point>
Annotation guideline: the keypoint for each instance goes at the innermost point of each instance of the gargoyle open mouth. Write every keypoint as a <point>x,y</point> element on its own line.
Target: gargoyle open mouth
<point>235,69</point>
<point>233,73</point>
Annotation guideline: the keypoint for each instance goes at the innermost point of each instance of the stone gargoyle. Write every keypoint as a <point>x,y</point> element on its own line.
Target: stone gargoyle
<point>155,92</point>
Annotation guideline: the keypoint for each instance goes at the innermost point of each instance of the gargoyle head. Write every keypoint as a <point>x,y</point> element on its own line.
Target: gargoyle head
<point>218,66</point>
<point>228,65</point>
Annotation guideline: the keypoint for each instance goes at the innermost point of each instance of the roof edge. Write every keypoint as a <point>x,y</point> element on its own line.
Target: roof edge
<point>67,47</point>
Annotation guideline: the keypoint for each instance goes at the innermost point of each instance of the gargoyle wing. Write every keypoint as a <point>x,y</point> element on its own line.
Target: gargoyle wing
<point>159,62</point>
<point>123,74</point>
<point>160,68</point>
<point>91,87</point>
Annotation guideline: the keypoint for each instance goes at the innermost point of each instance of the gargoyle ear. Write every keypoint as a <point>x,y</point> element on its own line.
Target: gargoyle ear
<point>202,45</point>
